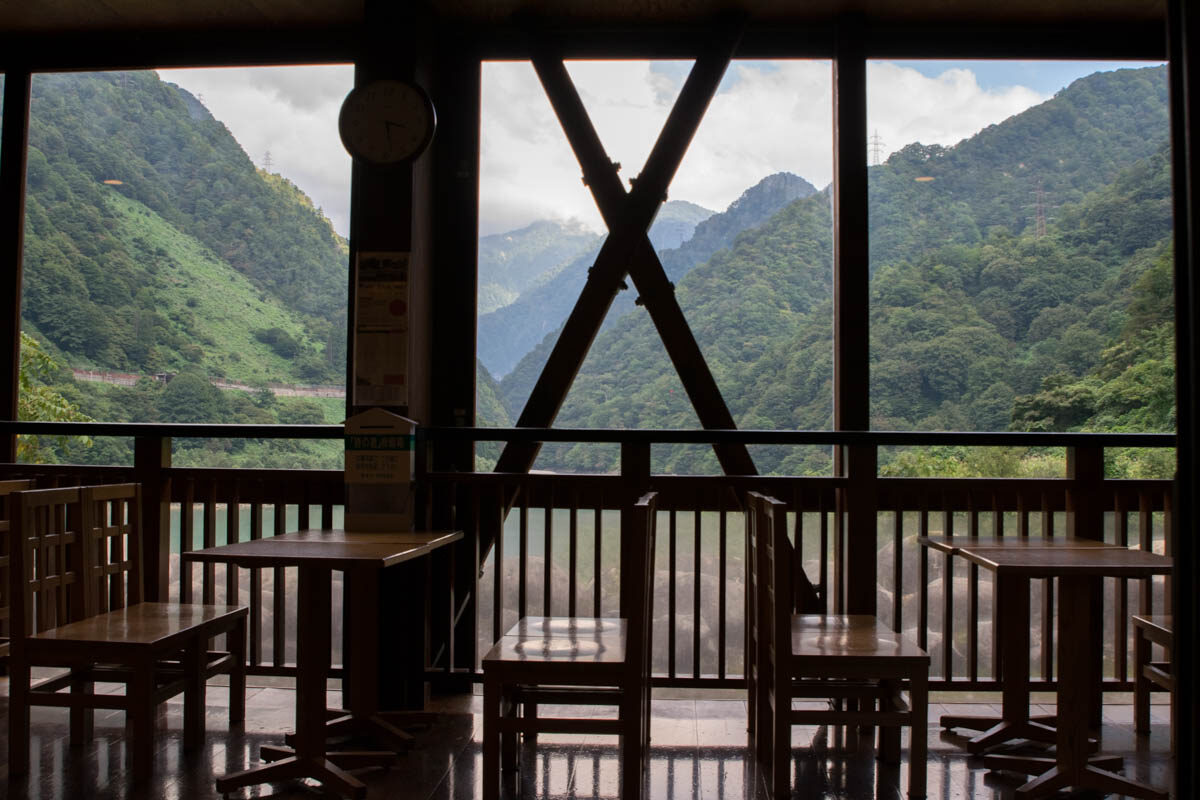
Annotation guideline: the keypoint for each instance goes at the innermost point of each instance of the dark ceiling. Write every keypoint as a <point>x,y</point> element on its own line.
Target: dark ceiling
<point>29,16</point>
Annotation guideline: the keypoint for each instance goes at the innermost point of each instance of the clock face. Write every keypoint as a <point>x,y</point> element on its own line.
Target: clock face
<point>386,121</point>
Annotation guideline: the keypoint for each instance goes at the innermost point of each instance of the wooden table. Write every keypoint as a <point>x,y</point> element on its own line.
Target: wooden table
<point>316,554</point>
<point>1011,613</point>
<point>1076,570</point>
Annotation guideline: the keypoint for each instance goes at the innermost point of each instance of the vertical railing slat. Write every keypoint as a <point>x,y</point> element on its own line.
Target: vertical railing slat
<point>947,597</point>
<point>972,596</point>
<point>573,553</point>
<point>597,548</point>
<point>897,568</point>
<point>1121,602</point>
<point>256,588</point>
<point>671,595</point>
<point>548,557</point>
<point>208,583</point>
<point>279,610</point>
<point>697,581</point>
<point>523,555</point>
<point>722,597</point>
<point>187,541</point>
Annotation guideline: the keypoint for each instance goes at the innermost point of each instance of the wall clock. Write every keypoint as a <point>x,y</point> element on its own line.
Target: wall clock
<point>387,121</point>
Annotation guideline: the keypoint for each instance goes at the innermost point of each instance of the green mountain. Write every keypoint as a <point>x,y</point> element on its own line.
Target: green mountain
<point>154,245</point>
<point>975,301</point>
<point>508,333</point>
<point>511,263</point>
<point>752,208</point>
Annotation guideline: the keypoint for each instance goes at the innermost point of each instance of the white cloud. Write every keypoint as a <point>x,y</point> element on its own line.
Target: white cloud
<point>290,112</point>
<point>905,106</point>
<point>767,118</point>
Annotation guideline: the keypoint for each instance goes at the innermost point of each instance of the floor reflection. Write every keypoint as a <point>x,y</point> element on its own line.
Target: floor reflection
<point>698,751</point>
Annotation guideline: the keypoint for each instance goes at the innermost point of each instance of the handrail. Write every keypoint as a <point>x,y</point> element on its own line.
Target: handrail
<point>606,435</point>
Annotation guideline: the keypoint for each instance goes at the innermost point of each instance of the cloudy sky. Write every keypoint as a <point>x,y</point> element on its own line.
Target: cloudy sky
<point>767,117</point>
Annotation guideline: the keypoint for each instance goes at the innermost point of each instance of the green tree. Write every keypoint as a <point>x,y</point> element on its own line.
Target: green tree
<point>38,401</point>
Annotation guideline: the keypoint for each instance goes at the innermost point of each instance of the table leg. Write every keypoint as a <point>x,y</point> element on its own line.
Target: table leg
<point>361,716</point>
<point>1072,766</point>
<point>312,671</point>
<point>1011,612</point>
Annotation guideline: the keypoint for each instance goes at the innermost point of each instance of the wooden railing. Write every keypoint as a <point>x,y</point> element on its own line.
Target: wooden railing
<point>557,548</point>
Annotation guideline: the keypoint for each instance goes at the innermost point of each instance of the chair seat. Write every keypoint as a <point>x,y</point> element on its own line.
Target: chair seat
<point>155,626</point>
<point>851,637</point>
<point>548,645</point>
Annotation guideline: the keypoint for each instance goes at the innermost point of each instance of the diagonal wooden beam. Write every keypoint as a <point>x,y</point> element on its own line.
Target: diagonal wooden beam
<point>627,248</point>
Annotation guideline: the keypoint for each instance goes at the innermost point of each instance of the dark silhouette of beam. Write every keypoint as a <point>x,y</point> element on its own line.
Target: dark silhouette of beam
<point>627,250</point>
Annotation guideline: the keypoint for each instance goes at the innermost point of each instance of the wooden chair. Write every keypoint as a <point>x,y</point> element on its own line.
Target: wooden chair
<point>76,592</point>
<point>852,661</point>
<point>1150,675</point>
<point>578,661</point>
<point>6,489</point>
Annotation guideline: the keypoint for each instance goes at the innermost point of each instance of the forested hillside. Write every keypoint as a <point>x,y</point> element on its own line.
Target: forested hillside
<point>514,262</point>
<point>756,205</point>
<point>508,333</point>
<point>139,201</point>
<point>153,245</point>
<point>976,305</point>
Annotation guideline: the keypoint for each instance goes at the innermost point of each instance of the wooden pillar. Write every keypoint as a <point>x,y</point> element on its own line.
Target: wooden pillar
<point>391,212</point>
<point>1183,26</point>
<point>851,281</point>
<point>456,94</point>
<point>13,143</point>
<point>851,316</point>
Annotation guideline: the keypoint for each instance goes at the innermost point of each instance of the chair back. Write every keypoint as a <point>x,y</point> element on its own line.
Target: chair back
<point>770,560</point>
<point>112,546</point>
<point>45,561</point>
<point>7,488</point>
<point>638,526</point>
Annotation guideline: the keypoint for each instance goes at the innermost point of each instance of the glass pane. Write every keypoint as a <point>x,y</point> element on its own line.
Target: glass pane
<point>1020,254</point>
<point>185,256</point>
<point>746,236</point>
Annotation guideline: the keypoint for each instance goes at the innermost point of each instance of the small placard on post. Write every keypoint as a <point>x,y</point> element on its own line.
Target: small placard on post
<point>379,467</point>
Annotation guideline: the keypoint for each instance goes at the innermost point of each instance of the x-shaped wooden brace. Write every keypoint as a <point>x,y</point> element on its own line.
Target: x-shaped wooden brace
<point>628,250</point>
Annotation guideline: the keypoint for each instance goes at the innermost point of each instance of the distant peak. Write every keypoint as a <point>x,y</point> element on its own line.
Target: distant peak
<point>781,183</point>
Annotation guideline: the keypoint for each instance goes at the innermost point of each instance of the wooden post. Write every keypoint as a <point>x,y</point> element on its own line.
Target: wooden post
<point>1085,506</point>
<point>860,552</point>
<point>13,143</point>
<point>151,459</point>
<point>1085,520</point>
<point>456,93</point>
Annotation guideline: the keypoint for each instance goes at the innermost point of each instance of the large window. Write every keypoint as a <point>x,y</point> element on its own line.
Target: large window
<point>185,255</point>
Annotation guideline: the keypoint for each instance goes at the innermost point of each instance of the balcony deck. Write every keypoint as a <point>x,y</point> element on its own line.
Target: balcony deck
<point>698,751</point>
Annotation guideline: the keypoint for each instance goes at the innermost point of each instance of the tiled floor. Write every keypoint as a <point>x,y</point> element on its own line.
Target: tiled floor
<point>698,752</point>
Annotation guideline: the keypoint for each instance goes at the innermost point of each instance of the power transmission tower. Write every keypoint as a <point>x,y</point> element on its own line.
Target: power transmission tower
<point>1039,213</point>
<point>877,146</point>
<point>267,161</point>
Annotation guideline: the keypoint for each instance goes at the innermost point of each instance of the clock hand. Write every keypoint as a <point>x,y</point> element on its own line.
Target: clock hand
<point>388,125</point>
